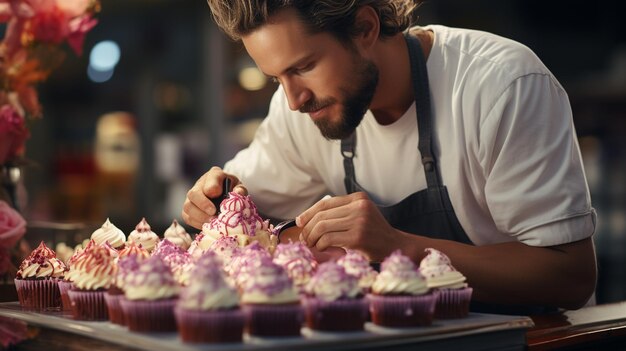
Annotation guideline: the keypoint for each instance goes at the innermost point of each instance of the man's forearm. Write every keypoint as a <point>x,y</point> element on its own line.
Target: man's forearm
<point>515,273</point>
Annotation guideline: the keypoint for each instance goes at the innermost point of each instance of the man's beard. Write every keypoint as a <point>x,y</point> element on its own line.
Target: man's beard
<point>355,103</point>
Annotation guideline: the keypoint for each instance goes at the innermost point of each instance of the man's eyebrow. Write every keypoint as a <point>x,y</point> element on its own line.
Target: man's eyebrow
<point>292,66</point>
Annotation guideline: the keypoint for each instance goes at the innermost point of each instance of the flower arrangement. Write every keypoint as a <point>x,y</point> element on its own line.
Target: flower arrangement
<point>30,50</point>
<point>12,229</point>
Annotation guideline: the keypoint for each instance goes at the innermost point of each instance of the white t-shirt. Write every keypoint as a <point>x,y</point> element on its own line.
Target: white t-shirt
<point>503,137</point>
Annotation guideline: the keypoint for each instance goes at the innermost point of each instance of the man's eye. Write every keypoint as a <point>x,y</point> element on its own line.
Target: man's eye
<point>305,68</point>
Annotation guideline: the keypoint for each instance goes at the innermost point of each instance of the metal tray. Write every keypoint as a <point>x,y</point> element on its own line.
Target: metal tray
<point>476,324</point>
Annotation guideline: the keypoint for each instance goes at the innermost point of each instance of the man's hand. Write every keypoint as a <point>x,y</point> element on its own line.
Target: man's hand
<point>350,222</point>
<point>198,208</point>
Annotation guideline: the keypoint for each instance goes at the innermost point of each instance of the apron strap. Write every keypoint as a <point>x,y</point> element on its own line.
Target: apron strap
<point>348,145</point>
<point>421,92</point>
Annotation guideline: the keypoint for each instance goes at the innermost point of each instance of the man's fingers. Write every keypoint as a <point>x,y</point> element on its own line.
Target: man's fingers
<point>325,203</point>
<point>200,201</point>
<point>323,228</point>
<point>194,216</point>
<point>211,182</point>
<point>329,240</point>
<point>240,189</point>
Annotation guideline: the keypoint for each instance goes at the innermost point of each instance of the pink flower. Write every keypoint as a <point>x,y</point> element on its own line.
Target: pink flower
<point>12,226</point>
<point>12,331</point>
<point>50,26</point>
<point>13,133</point>
<point>78,29</point>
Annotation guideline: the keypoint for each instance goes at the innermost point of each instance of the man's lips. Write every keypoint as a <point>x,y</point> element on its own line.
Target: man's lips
<point>318,113</point>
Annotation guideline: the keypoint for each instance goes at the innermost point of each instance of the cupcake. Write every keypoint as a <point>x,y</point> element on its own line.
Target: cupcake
<point>334,301</point>
<point>109,233</point>
<point>454,293</point>
<point>150,293</point>
<point>208,308</point>
<point>66,283</point>
<point>400,296</point>
<point>127,261</point>
<point>144,235</point>
<point>178,235</point>
<point>239,218</point>
<point>298,261</point>
<point>356,264</point>
<point>37,279</point>
<point>93,273</point>
<point>269,300</point>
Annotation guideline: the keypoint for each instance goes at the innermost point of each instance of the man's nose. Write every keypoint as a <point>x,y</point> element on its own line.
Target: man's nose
<point>297,94</point>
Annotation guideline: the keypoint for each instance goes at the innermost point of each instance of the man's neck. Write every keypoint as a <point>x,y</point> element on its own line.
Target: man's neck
<point>394,93</point>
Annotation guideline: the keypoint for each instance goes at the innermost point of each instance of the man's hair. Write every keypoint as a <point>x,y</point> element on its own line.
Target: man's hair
<point>238,18</point>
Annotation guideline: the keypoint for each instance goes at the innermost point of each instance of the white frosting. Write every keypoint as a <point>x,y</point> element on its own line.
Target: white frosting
<point>178,235</point>
<point>399,276</point>
<point>439,272</point>
<point>109,233</point>
<point>144,235</point>
<point>331,283</point>
<point>355,263</point>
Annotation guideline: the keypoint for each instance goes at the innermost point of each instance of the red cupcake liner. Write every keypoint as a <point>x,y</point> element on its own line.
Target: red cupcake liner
<point>88,305</point>
<point>38,294</point>
<point>149,316</point>
<point>339,315</point>
<point>453,303</point>
<point>214,326</point>
<point>114,308</point>
<point>64,287</point>
<point>402,310</point>
<point>273,319</point>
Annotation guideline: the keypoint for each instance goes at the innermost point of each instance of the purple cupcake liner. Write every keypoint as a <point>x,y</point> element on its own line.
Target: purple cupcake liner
<point>114,308</point>
<point>273,319</point>
<point>64,287</point>
<point>88,305</point>
<point>149,315</point>
<point>339,315</point>
<point>38,294</point>
<point>402,310</point>
<point>453,303</point>
<point>213,326</point>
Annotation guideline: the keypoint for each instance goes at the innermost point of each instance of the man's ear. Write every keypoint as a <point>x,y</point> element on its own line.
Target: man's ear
<point>367,27</point>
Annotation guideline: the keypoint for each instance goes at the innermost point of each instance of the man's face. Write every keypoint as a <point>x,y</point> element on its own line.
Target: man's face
<point>320,76</point>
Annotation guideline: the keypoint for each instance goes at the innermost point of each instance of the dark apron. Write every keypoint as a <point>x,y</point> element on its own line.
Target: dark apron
<point>427,212</point>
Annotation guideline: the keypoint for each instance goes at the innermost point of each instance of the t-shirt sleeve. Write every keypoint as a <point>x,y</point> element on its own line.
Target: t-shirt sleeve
<point>280,181</point>
<point>535,187</point>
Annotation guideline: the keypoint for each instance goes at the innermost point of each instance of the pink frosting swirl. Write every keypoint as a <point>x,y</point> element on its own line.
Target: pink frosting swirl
<point>238,215</point>
<point>95,269</point>
<point>226,248</point>
<point>41,263</point>
<point>355,263</point>
<point>298,261</point>
<point>134,249</point>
